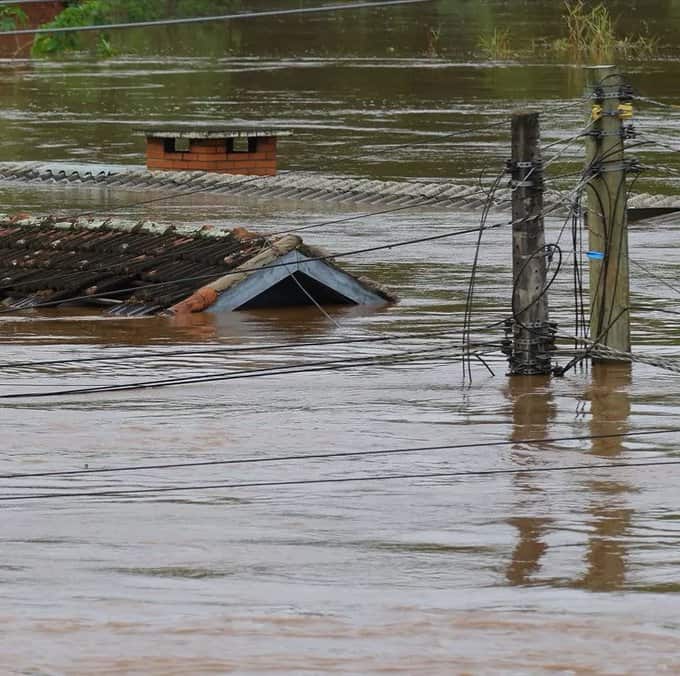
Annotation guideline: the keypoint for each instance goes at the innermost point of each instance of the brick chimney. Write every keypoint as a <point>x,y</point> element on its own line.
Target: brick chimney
<point>226,151</point>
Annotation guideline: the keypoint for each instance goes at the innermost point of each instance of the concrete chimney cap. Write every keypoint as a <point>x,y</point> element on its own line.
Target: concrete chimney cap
<point>199,132</point>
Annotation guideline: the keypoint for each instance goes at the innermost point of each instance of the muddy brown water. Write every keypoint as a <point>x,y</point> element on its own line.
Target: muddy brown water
<point>564,572</point>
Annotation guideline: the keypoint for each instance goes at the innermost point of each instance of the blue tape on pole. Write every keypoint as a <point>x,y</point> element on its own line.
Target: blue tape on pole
<point>595,255</point>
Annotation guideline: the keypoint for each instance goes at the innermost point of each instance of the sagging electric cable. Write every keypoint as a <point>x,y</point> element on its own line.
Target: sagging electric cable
<point>72,219</point>
<point>287,369</point>
<point>153,200</point>
<point>230,350</point>
<point>586,467</point>
<point>467,317</point>
<point>345,254</point>
<point>210,19</point>
<point>652,274</point>
<point>295,457</point>
<point>443,137</point>
<point>202,189</point>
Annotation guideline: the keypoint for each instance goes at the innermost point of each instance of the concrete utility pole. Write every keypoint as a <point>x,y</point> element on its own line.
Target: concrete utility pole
<point>532,334</point>
<point>608,105</point>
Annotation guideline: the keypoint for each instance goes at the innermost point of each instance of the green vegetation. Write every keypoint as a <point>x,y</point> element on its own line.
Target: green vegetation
<point>590,37</point>
<point>12,18</point>
<point>496,45</point>
<point>587,31</point>
<point>89,12</point>
<point>93,12</point>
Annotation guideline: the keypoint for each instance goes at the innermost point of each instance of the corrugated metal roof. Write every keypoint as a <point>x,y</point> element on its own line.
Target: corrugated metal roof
<point>296,186</point>
<point>286,185</point>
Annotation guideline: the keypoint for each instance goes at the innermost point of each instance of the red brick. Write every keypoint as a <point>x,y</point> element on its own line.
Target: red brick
<point>234,166</point>
<point>237,157</point>
<point>204,157</point>
<point>208,150</point>
<point>208,166</point>
<point>165,165</point>
<point>263,164</point>
<point>155,149</point>
<point>183,165</point>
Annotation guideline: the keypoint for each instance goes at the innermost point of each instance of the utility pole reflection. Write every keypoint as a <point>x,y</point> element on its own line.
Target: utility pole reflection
<point>609,395</point>
<point>533,411</point>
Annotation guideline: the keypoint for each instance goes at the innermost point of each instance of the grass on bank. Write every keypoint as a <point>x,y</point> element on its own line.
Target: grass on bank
<point>590,37</point>
<point>93,12</point>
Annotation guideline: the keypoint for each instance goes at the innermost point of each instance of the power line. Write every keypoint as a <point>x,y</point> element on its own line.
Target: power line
<point>222,350</point>
<point>307,227</point>
<point>178,195</point>
<point>654,102</point>
<point>341,454</point>
<point>208,19</point>
<point>661,144</point>
<point>646,270</point>
<point>425,202</point>
<point>442,137</point>
<point>348,219</point>
<point>72,219</point>
<point>344,254</point>
<point>337,480</point>
<point>292,369</point>
<point>25,2</point>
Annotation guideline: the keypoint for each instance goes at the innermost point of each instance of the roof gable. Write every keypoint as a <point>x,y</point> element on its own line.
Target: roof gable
<point>147,268</point>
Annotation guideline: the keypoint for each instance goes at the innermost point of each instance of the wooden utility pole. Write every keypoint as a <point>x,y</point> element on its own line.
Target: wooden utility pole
<point>532,334</point>
<point>605,171</point>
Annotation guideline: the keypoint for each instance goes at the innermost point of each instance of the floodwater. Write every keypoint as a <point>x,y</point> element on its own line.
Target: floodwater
<point>557,572</point>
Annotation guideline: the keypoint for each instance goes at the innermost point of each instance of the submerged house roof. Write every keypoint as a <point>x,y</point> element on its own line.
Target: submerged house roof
<point>138,269</point>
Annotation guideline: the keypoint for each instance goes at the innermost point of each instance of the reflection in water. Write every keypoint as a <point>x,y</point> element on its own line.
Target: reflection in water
<point>275,575</point>
<point>526,557</point>
<point>533,410</point>
<point>610,520</point>
<point>85,325</point>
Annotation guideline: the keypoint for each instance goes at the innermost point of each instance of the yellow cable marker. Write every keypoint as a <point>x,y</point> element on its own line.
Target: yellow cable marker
<point>625,111</point>
<point>597,112</point>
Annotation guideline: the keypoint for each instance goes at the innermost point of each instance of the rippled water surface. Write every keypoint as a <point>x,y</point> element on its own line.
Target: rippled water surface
<point>563,572</point>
